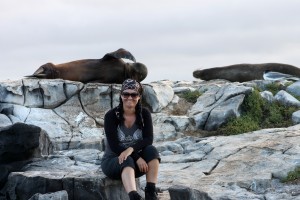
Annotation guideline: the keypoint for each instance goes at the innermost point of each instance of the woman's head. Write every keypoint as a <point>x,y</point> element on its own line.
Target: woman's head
<point>130,93</point>
<point>130,97</point>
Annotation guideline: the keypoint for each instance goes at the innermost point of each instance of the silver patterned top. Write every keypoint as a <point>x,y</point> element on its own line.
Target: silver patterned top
<point>127,137</point>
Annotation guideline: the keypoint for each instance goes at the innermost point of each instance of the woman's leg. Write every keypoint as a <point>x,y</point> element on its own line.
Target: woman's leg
<point>152,174</point>
<point>151,156</point>
<point>128,179</point>
<point>125,172</point>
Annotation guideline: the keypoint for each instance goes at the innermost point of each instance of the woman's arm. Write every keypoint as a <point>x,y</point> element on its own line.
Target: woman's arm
<point>110,129</point>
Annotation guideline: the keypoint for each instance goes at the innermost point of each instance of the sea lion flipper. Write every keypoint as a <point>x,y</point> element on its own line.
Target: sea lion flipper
<point>120,53</point>
<point>275,75</point>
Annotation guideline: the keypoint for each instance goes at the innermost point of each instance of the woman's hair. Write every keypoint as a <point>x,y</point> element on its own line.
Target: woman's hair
<point>138,108</point>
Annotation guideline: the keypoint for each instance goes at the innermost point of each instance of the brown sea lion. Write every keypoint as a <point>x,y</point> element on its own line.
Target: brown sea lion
<point>244,72</point>
<point>109,69</point>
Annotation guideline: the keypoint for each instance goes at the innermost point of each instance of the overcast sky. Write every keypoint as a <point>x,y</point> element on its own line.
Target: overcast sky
<point>172,38</point>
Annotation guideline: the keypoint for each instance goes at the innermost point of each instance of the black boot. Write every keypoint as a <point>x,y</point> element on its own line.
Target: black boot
<point>133,195</point>
<point>150,192</point>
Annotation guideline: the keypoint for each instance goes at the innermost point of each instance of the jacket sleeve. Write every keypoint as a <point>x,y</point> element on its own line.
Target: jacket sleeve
<point>110,129</point>
<point>147,132</point>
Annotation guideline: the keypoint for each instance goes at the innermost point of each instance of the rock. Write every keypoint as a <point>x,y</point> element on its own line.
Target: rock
<point>294,89</point>
<point>158,96</point>
<point>53,92</point>
<point>163,128</point>
<point>11,92</point>
<point>208,111</point>
<point>223,112</point>
<point>16,113</point>
<point>19,143</point>
<point>186,193</point>
<point>72,171</point>
<point>296,117</point>
<point>85,133</point>
<point>4,121</point>
<point>267,95</point>
<point>58,130</point>
<point>246,166</point>
<point>61,195</point>
<point>237,167</point>
<point>96,100</point>
<point>22,142</point>
<point>33,93</point>
<point>286,99</point>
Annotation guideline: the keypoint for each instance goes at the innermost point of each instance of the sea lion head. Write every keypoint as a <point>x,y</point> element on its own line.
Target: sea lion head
<point>47,71</point>
<point>138,71</point>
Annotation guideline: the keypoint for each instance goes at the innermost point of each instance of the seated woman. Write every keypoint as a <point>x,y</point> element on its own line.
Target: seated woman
<point>129,152</point>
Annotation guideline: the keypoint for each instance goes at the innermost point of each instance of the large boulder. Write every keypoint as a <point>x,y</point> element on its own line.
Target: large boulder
<point>217,105</point>
<point>19,144</point>
<point>78,172</point>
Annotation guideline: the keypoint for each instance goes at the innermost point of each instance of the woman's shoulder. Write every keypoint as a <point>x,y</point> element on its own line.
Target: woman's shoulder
<point>111,112</point>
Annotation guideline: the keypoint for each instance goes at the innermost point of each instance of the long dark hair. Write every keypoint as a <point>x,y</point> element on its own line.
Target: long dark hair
<point>138,110</point>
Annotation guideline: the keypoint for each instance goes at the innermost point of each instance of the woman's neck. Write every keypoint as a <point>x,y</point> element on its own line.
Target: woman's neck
<point>129,111</point>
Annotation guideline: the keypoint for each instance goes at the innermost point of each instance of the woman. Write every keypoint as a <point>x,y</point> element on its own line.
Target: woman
<point>129,136</point>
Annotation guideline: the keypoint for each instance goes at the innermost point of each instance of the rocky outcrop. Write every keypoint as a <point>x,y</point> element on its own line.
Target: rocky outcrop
<point>61,195</point>
<point>19,144</point>
<point>246,166</point>
<point>70,115</point>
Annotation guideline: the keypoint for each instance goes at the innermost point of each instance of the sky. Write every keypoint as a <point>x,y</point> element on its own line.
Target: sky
<point>172,38</point>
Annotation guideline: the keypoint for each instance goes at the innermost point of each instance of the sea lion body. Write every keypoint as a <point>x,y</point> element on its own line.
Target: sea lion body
<point>109,69</point>
<point>244,72</point>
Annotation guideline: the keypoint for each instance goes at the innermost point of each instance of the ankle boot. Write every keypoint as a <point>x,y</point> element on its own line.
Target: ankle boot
<point>135,196</point>
<point>150,194</point>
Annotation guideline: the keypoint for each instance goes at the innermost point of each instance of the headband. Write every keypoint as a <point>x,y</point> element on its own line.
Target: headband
<point>130,84</point>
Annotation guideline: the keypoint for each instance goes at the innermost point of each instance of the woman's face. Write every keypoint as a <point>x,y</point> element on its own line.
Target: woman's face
<point>130,98</point>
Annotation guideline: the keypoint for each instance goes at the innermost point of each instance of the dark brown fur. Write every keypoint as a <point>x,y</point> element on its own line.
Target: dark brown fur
<point>244,72</point>
<point>109,69</point>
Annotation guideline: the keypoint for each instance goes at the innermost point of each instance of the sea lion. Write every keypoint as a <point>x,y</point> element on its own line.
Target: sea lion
<point>245,72</point>
<point>109,69</point>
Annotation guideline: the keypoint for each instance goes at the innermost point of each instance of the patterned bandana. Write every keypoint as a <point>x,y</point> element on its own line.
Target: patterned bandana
<point>130,84</point>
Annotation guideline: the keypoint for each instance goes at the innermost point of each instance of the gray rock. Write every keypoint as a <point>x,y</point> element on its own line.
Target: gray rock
<point>294,89</point>
<point>296,117</point>
<point>4,121</point>
<point>267,95</point>
<point>96,100</point>
<point>72,88</point>
<point>53,92</point>
<point>11,92</point>
<point>246,166</point>
<point>59,131</point>
<point>185,193</point>
<point>69,171</point>
<point>225,98</point>
<point>286,99</point>
<point>158,96</point>
<point>60,195</point>
<point>20,143</point>
<point>183,89</point>
<point>223,112</point>
<point>33,93</point>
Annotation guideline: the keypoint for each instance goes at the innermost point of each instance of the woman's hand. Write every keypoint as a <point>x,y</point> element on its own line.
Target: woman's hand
<point>123,156</point>
<point>143,166</point>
